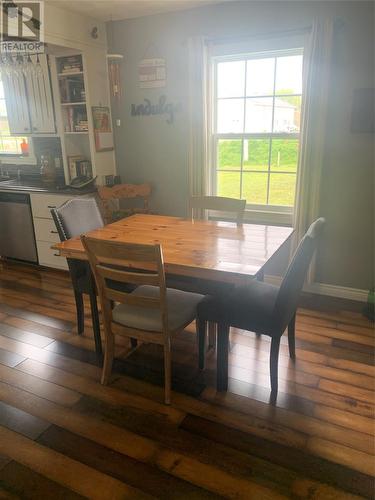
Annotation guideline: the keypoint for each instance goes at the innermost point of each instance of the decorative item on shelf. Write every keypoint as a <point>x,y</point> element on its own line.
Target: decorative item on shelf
<point>24,147</point>
<point>102,128</point>
<point>70,64</point>
<point>79,166</point>
<point>47,170</point>
<point>161,108</point>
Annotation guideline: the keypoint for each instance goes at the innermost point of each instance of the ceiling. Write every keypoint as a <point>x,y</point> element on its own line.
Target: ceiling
<point>105,10</point>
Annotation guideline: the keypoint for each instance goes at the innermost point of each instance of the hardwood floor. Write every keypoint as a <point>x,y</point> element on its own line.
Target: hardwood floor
<point>64,436</point>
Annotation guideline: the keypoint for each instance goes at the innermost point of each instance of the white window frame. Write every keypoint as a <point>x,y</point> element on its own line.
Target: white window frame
<point>254,212</point>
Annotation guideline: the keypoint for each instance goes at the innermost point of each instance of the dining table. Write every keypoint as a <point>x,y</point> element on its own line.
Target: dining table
<point>214,254</point>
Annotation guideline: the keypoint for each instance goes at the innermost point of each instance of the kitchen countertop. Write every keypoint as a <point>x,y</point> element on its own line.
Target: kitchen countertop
<point>34,186</point>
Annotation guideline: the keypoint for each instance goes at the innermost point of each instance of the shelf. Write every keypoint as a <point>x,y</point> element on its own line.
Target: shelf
<point>74,73</point>
<point>76,133</point>
<point>83,103</point>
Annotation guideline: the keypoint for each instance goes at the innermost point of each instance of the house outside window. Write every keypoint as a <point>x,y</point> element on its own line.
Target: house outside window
<point>255,130</point>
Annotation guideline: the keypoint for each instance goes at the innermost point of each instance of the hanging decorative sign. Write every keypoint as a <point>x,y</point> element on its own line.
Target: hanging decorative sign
<point>152,73</point>
<point>161,108</point>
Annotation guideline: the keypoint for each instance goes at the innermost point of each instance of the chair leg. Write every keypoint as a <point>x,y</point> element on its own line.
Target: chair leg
<point>133,343</point>
<point>80,312</point>
<point>109,353</point>
<point>201,332</point>
<point>167,371</point>
<point>292,337</point>
<point>222,356</point>
<point>212,330</point>
<point>95,323</point>
<point>274,362</point>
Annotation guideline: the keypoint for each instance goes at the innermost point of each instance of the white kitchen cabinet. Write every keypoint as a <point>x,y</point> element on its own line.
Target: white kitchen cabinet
<point>40,101</point>
<point>28,99</point>
<point>16,102</point>
<point>45,230</point>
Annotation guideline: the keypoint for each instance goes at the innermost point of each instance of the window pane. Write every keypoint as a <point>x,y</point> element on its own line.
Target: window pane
<point>3,109</point>
<point>260,76</point>
<point>4,126</point>
<point>231,79</point>
<point>258,114</point>
<point>287,115</point>
<point>254,188</point>
<point>255,154</point>
<point>229,154</point>
<point>228,184</point>
<point>282,189</point>
<point>289,75</point>
<point>284,155</point>
<point>230,115</point>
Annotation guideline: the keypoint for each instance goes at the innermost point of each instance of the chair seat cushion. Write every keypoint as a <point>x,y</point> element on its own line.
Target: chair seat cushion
<point>249,307</point>
<point>182,309</point>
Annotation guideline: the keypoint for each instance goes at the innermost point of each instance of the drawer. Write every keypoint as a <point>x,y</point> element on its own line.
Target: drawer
<point>45,230</point>
<point>41,204</point>
<point>48,257</point>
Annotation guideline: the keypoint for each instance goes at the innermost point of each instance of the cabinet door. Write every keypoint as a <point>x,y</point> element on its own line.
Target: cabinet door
<point>16,102</point>
<point>40,97</point>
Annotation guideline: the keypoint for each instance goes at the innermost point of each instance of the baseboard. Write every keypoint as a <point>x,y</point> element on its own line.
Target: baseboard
<point>341,292</point>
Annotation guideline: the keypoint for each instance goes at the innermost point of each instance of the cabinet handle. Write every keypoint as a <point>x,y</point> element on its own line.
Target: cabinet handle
<point>51,206</point>
<point>26,129</point>
<point>35,128</point>
<point>56,254</point>
<point>53,232</point>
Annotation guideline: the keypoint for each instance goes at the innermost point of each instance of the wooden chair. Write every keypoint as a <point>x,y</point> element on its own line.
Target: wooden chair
<point>199,204</point>
<point>151,313</point>
<point>110,199</point>
<point>261,308</point>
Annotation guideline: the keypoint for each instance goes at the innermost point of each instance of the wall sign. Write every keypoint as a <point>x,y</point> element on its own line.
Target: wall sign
<point>102,128</point>
<point>152,73</point>
<point>160,108</point>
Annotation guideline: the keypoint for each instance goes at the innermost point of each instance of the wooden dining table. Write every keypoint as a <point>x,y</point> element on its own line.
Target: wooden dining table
<point>216,255</point>
<point>202,249</point>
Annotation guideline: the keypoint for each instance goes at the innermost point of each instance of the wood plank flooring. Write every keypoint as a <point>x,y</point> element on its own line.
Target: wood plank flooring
<point>64,436</point>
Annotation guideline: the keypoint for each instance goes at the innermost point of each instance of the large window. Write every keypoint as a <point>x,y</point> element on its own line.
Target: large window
<point>9,145</point>
<point>256,125</point>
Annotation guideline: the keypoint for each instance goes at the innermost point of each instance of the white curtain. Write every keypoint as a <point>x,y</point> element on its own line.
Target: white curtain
<point>316,80</point>
<point>198,131</point>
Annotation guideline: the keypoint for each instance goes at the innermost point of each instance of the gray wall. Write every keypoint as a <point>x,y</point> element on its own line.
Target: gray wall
<point>149,149</point>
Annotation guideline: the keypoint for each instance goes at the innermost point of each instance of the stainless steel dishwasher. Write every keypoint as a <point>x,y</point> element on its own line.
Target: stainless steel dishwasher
<point>17,238</point>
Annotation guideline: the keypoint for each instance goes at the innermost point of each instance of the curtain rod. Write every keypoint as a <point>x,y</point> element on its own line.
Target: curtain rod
<point>273,34</point>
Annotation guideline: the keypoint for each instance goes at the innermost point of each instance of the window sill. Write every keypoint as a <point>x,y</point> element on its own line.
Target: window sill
<point>17,160</point>
<point>268,217</point>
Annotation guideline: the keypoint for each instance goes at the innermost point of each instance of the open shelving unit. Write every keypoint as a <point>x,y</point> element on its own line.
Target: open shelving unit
<point>74,114</point>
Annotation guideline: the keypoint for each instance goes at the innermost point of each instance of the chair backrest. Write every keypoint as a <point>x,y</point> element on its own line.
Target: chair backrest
<point>127,263</point>
<point>110,196</point>
<point>218,204</point>
<point>291,286</point>
<point>77,216</point>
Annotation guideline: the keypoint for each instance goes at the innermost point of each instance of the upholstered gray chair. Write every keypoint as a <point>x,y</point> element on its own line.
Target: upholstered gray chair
<point>73,218</point>
<point>261,308</point>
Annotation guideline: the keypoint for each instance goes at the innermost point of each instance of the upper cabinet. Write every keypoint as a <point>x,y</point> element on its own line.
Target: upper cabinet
<point>28,96</point>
